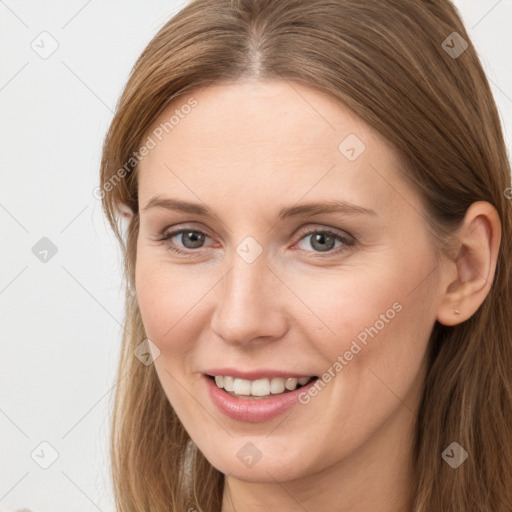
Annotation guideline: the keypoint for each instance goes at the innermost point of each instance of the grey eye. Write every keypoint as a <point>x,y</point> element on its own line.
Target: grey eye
<point>191,239</point>
<point>321,241</point>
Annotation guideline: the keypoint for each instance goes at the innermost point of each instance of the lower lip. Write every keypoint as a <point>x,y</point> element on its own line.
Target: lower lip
<point>254,411</point>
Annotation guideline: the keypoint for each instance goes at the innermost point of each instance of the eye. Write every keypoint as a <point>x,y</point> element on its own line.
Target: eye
<point>324,240</point>
<point>190,238</point>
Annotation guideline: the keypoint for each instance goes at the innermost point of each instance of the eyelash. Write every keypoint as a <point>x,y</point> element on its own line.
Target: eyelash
<point>348,243</point>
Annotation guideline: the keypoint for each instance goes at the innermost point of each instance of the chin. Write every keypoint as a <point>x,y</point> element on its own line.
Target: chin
<point>260,460</point>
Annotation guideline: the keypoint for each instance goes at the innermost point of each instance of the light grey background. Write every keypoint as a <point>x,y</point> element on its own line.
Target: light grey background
<point>61,319</point>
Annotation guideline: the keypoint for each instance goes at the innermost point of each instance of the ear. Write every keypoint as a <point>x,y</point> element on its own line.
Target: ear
<point>469,277</point>
<point>125,211</point>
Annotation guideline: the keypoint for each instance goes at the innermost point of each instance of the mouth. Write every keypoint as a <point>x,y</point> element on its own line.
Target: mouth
<point>258,400</point>
<point>259,389</point>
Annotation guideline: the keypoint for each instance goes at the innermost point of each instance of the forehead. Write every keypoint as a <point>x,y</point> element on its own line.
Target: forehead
<point>267,141</point>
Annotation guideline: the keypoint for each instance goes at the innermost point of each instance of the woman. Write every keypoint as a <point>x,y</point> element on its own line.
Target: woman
<point>317,262</point>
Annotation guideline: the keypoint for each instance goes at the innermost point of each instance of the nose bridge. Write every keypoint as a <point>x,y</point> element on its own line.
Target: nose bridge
<point>246,307</point>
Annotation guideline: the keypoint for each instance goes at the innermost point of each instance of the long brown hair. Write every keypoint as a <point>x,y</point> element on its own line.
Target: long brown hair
<point>400,67</point>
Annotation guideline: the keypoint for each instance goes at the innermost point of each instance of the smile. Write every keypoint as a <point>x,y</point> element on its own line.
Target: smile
<point>265,387</point>
<point>268,399</point>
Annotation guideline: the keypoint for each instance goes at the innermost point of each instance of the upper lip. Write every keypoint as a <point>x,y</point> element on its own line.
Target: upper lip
<point>255,374</point>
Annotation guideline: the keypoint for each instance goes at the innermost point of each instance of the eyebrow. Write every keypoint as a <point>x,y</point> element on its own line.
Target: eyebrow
<point>333,206</point>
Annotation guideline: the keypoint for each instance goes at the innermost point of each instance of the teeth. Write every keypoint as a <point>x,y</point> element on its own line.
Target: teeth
<point>228,383</point>
<point>276,386</point>
<point>242,387</point>
<point>260,387</point>
<point>257,388</point>
<point>290,384</point>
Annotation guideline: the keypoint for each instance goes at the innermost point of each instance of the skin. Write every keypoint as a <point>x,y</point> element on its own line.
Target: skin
<point>247,150</point>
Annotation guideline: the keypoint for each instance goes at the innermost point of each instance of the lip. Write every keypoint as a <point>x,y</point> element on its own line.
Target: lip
<point>253,411</point>
<point>254,374</point>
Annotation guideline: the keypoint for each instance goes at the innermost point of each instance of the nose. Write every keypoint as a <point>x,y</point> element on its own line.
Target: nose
<point>249,305</point>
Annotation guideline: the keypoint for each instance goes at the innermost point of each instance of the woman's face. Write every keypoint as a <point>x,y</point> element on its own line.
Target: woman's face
<point>258,294</point>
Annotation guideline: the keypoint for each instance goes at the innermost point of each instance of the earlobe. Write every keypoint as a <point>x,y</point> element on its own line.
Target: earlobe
<point>475,265</point>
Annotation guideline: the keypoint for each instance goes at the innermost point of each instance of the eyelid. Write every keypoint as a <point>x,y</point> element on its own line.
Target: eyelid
<point>324,229</point>
<point>172,231</point>
<point>302,231</point>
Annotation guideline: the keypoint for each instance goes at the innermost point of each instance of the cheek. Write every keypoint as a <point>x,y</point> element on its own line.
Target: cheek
<point>371,326</point>
<point>350,305</point>
<point>155,299</point>
<point>172,301</point>
<point>164,296</point>
<point>166,302</point>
